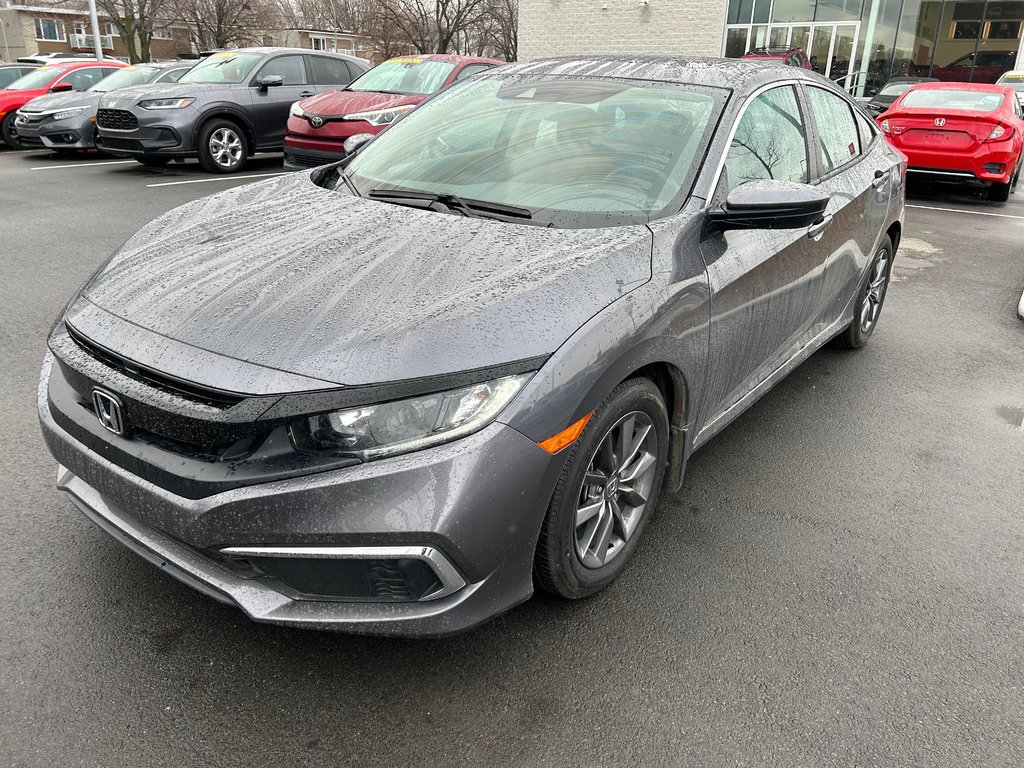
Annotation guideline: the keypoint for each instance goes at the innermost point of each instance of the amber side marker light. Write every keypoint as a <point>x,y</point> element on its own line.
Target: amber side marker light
<point>567,436</point>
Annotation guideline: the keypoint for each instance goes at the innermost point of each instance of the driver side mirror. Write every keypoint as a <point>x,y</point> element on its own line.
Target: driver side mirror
<point>270,81</point>
<point>770,205</point>
<point>62,87</point>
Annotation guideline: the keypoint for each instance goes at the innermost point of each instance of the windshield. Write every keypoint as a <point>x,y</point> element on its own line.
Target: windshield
<point>39,78</point>
<point>224,67</point>
<point>408,75</point>
<point>954,98</point>
<point>895,89</point>
<point>574,153</point>
<point>125,77</point>
<point>1013,79</point>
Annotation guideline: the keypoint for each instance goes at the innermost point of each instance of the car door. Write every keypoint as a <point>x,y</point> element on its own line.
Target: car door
<point>856,173</point>
<point>765,284</point>
<point>271,104</point>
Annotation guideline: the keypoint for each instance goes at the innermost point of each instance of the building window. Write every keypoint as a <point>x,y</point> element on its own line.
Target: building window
<point>268,41</point>
<point>162,33</point>
<point>50,29</point>
<point>318,43</point>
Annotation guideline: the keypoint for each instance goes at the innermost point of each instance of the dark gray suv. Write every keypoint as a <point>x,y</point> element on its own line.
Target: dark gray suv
<point>228,107</point>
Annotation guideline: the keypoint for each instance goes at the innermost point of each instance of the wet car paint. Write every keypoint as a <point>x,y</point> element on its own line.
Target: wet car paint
<point>688,313</point>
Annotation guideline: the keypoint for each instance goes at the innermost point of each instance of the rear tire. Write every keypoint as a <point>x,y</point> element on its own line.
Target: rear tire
<point>999,193</point>
<point>613,489</point>
<point>222,147</point>
<point>8,132</point>
<point>870,297</point>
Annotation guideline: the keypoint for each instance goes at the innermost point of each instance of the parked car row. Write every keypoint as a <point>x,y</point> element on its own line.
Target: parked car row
<point>223,109</point>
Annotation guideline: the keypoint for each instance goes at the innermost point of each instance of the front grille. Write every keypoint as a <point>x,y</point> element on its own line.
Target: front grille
<point>307,161</point>
<point>187,390</point>
<point>30,141</point>
<point>110,142</point>
<point>117,119</point>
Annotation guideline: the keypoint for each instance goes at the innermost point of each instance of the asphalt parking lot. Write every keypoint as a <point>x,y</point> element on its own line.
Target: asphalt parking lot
<point>839,581</point>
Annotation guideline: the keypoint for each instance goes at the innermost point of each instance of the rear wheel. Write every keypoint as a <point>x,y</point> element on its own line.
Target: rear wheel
<point>1000,193</point>
<point>9,133</point>
<point>868,305</point>
<point>222,147</point>
<point>606,492</point>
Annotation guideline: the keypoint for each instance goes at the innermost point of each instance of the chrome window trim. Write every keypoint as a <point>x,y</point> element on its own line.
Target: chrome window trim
<point>735,126</point>
<point>451,579</point>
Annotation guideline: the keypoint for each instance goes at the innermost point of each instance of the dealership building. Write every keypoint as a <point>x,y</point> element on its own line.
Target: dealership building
<point>860,42</point>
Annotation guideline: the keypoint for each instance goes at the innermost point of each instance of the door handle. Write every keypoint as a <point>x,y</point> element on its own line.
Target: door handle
<point>815,231</point>
<point>306,94</point>
<point>881,177</point>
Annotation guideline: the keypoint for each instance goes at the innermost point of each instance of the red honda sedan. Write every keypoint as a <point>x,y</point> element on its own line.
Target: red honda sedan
<point>970,133</point>
<point>53,78</point>
<point>319,126</point>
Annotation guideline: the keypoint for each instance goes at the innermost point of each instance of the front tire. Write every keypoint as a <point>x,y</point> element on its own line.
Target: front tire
<point>222,147</point>
<point>606,492</point>
<point>8,132</point>
<point>870,297</point>
<point>999,193</point>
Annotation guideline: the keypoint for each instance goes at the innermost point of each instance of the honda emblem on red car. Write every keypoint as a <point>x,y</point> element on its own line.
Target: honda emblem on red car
<point>939,122</point>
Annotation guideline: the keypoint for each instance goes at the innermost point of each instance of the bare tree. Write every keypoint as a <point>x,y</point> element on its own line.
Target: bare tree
<point>135,21</point>
<point>223,23</point>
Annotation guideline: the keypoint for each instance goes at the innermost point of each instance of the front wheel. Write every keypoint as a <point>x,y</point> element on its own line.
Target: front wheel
<point>9,133</point>
<point>222,147</point>
<point>606,492</point>
<point>868,306</point>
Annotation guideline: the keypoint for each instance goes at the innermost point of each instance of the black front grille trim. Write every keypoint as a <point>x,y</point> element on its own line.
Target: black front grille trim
<point>116,119</point>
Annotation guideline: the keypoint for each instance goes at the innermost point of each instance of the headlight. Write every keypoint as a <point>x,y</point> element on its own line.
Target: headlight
<point>166,103</point>
<point>381,116</point>
<point>64,114</point>
<point>296,110</point>
<point>375,431</point>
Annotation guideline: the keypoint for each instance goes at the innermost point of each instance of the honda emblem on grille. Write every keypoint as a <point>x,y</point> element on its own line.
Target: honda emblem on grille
<point>316,121</point>
<point>108,411</point>
<point>939,122</point>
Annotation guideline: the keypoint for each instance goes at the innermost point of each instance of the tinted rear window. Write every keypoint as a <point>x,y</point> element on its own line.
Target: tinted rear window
<point>943,98</point>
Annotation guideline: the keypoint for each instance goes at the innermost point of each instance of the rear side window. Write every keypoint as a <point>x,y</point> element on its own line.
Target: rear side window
<point>471,69</point>
<point>838,135</point>
<point>290,68</point>
<point>770,141</point>
<point>328,71</point>
<point>867,132</point>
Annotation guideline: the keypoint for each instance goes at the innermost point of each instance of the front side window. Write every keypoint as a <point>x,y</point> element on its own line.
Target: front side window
<point>227,67</point>
<point>770,141</point>
<point>49,29</point>
<point>290,69</point>
<point>408,75</point>
<point>81,79</point>
<point>574,153</point>
<point>838,136</point>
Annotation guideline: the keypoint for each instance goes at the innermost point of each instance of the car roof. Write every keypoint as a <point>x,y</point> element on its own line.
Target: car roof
<point>265,50</point>
<point>735,74</point>
<point>452,57</point>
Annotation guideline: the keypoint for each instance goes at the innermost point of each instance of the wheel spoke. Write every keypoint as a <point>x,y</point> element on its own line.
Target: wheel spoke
<point>635,446</point>
<point>624,443</point>
<point>603,538</point>
<point>588,511</point>
<point>639,467</point>
<point>632,496</point>
<point>595,477</point>
<point>621,525</point>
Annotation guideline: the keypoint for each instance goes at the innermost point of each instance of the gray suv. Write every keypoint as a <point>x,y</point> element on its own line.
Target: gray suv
<point>226,108</point>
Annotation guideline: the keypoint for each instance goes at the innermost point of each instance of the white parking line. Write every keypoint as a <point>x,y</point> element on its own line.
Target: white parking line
<point>80,165</point>
<point>964,210</point>
<point>226,177</point>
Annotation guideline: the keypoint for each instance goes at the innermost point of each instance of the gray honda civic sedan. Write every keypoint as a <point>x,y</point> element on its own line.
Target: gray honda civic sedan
<point>395,394</point>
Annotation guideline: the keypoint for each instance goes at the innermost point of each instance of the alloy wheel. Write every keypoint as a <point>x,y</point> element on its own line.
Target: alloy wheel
<point>615,490</point>
<point>878,282</point>
<point>226,147</point>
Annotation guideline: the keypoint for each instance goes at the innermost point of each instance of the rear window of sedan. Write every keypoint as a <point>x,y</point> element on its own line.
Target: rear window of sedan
<point>231,68</point>
<point>950,98</point>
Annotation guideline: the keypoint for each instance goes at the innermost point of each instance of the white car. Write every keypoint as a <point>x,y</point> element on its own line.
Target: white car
<point>1015,79</point>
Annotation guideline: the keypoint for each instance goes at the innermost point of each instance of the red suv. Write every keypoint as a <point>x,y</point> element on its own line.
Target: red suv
<point>793,57</point>
<point>319,126</point>
<point>53,78</point>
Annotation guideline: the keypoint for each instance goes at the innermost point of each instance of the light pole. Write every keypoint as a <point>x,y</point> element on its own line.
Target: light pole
<point>95,22</point>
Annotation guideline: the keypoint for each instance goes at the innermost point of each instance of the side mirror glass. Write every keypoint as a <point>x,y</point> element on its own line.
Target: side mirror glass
<point>62,87</point>
<point>770,205</point>
<point>270,81</point>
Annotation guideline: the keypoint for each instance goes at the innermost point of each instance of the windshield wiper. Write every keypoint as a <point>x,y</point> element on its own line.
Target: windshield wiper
<point>466,206</point>
<point>348,182</point>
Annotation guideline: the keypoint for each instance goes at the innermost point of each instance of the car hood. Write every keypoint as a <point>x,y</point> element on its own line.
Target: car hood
<point>60,100</point>
<point>123,98</point>
<point>291,277</point>
<point>334,103</point>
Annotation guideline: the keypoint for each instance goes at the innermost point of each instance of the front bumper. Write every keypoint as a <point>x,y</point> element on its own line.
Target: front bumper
<point>163,133</point>
<point>475,504</point>
<point>73,133</point>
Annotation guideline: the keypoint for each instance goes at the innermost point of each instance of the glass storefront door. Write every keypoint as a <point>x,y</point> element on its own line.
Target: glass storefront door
<point>831,47</point>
